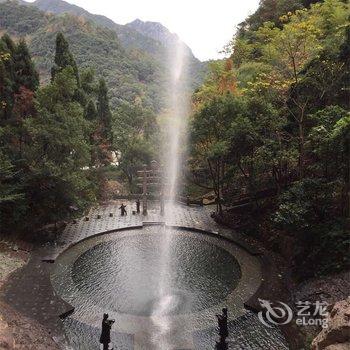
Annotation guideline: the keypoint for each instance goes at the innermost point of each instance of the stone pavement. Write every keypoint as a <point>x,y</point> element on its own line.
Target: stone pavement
<point>175,215</point>
<point>30,293</point>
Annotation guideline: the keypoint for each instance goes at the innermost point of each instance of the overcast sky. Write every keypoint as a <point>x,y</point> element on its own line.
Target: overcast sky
<point>205,25</point>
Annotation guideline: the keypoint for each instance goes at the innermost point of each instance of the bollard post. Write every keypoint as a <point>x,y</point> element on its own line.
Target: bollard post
<point>161,204</point>
<point>144,191</point>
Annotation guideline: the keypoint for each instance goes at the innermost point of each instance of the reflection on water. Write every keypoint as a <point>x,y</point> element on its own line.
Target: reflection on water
<point>245,333</point>
<point>124,275</point>
<point>160,303</point>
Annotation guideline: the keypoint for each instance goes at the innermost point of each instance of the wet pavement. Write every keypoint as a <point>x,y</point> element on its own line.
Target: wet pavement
<point>245,333</point>
<point>179,215</point>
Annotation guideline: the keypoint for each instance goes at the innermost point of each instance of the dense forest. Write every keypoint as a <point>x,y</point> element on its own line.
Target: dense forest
<point>54,138</point>
<point>82,104</point>
<point>57,139</point>
<point>270,134</point>
<point>58,133</point>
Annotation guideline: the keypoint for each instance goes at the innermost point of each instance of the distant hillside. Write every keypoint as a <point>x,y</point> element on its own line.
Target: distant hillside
<point>159,33</point>
<point>134,65</point>
<point>130,75</point>
<point>60,7</point>
<point>150,37</point>
<point>156,31</point>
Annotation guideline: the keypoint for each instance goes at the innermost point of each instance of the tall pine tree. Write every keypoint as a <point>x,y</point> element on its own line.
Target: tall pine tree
<point>63,58</point>
<point>25,72</point>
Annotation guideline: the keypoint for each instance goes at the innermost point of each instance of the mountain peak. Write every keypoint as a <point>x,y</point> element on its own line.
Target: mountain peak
<point>154,30</point>
<point>144,35</point>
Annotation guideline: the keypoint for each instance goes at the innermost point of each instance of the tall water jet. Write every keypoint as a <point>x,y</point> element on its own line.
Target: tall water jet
<point>173,151</point>
<point>176,122</point>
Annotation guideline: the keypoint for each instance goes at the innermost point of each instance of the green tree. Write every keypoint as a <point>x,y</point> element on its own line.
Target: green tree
<point>91,111</point>
<point>25,72</point>
<point>64,58</point>
<point>305,211</point>
<point>88,81</point>
<point>7,80</point>
<point>210,140</point>
<point>135,139</point>
<point>104,112</point>
<point>289,134</point>
<point>59,153</point>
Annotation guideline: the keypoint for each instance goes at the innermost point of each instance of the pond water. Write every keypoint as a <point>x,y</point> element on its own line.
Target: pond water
<point>162,285</point>
<point>124,274</point>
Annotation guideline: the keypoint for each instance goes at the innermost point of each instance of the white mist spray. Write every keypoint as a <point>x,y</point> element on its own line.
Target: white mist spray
<point>177,121</point>
<point>173,149</point>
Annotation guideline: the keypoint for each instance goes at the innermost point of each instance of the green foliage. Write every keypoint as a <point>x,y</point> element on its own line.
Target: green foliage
<point>211,125</point>
<point>87,81</point>
<point>63,58</point>
<point>220,80</point>
<point>103,111</point>
<point>134,66</point>
<point>289,131</point>
<point>9,192</point>
<point>305,204</point>
<point>305,210</point>
<point>325,143</point>
<point>332,235</point>
<point>135,139</point>
<point>58,152</point>
<point>31,19</point>
<point>342,127</point>
<point>129,76</point>
<point>17,74</point>
<point>60,115</point>
<point>25,72</point>
<point>7,81</point>
<point>47,141</point>
<point>269,11</point>
<point>90,111</point>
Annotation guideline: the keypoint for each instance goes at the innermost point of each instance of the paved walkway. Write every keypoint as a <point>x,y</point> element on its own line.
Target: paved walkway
<point>178,215</point>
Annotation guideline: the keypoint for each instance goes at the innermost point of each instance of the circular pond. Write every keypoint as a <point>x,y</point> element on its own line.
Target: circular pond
<point>154,273</point>
<point>155,278</point>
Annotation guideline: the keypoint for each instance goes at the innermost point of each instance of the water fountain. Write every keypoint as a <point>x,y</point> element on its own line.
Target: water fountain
<point>173,149</point>
<point>162,284</point>
<point>174,131</point>
<point>159,299</point>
